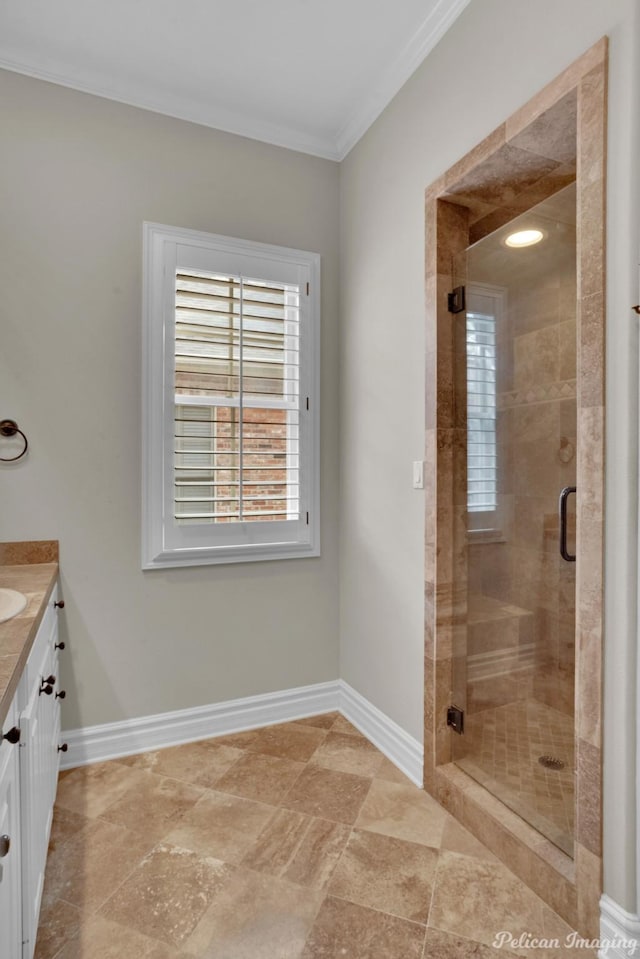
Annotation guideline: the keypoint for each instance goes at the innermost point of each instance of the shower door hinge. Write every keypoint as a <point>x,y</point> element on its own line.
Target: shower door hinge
<point>455,719</point>
<point>456,300</point>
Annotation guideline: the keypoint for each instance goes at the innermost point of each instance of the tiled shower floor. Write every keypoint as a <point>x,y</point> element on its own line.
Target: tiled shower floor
<point>298,841</point>
<point>502,747</point>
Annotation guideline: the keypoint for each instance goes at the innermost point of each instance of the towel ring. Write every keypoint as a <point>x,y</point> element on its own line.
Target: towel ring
<point>10,428</point>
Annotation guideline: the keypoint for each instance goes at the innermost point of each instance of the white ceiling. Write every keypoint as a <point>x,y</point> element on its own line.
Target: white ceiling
<point>311,75</point>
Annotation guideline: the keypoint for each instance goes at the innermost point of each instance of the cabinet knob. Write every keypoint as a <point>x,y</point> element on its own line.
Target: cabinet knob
<point>5,846</point>
<point>61,694</point>
<point>13,736</point>
<point>63,748</point>
<point>59,646</point>
<point>59,604</point>
<point>47,685</point>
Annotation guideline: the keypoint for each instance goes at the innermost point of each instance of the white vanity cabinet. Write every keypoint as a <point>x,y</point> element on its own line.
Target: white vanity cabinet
<point>39,765</point>
<point>10,845</point>
<point>31,776</point>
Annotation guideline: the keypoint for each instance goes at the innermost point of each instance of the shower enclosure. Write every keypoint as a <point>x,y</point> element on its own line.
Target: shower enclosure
<point>516,377</point>
<point>514,410</point>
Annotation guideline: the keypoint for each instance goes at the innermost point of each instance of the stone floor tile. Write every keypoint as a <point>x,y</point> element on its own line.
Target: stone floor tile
<point>221,825</point>
<point>65,823</point>
<point>388,874</point>
<point>263,778</point>
<point>256,917</point>
<point>324,721</point>
<point>267,844</point>
<point>390,772</point>
<point>201,763</point>
<point>344,929</point>
<point>103,939</point>
<point>154,806</point>
<point>328,794</point>
<point>60,922</point>
<point>90,790</point>
<point>403,811</point>
<point>167,894</point>
<point>455,838</point>
<point>277,843</point>
<point>241,740</point>
<point>93,862</point>
<point>318,853</point>
<point>553,927</point>
<point>288,741</point>
<point>478,899</point>
<point>348,754</point>
<point>342,725</point>
<point>442,945</point>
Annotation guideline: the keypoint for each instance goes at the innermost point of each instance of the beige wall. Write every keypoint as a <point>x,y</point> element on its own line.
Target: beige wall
<point>496,56</point>
<point>78,177</point>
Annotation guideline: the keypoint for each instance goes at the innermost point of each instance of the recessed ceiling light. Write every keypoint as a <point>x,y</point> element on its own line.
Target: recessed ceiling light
<point>524,238</point>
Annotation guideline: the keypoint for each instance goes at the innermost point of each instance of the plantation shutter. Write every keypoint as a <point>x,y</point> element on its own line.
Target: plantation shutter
<point>237,399</point>
<point>481,413</point>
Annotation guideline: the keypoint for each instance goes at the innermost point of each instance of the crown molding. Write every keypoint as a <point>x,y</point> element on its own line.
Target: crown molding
<point>215,117</point>
<point>228,121</point>
<point>397,73</point>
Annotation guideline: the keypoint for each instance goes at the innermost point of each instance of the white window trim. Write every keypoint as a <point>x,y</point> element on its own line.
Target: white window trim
<point>158,407</point>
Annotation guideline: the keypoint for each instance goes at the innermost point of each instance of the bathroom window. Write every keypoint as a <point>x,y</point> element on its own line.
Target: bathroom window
<point>484,309</point>
<point>231,352</point>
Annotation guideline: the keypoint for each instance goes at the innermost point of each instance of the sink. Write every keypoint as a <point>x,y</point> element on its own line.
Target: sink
<point>11,603</point>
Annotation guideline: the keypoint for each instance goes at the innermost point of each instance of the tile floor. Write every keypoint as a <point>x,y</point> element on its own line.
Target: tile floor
<point>298,841</point>
<point>503,746</point>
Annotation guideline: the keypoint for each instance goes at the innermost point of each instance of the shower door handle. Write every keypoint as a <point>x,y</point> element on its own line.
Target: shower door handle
<point>562,507</point>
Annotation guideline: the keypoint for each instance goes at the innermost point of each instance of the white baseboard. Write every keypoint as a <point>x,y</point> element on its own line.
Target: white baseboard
<point>403,750</point>
<point>619,931</point>
<point>94,744</point>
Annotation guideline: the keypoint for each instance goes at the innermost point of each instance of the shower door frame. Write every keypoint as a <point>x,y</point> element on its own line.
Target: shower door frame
<point>572,887</point>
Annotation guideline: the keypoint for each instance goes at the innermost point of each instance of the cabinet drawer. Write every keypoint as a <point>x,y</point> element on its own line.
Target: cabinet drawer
<point>44,645</point>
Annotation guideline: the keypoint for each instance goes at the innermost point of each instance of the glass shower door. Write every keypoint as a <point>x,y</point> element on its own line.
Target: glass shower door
<point>515,656</point>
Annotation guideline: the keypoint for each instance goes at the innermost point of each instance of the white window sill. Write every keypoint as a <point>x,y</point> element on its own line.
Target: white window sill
<point>210,557</point>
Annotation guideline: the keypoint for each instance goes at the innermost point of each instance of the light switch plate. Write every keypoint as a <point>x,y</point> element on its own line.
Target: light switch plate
<point>418,474</point>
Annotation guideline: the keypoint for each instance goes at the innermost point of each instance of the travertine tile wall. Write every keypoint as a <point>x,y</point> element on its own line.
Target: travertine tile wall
<point>459,212</point>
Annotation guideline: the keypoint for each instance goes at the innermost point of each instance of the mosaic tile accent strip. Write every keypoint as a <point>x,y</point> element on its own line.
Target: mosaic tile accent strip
<point>541,393</point>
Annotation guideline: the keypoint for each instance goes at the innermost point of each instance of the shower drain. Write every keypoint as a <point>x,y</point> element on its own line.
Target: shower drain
<point>551,762</point>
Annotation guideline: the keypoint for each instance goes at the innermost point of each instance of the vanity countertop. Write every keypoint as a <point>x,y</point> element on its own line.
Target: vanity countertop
<point>32,569</point>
